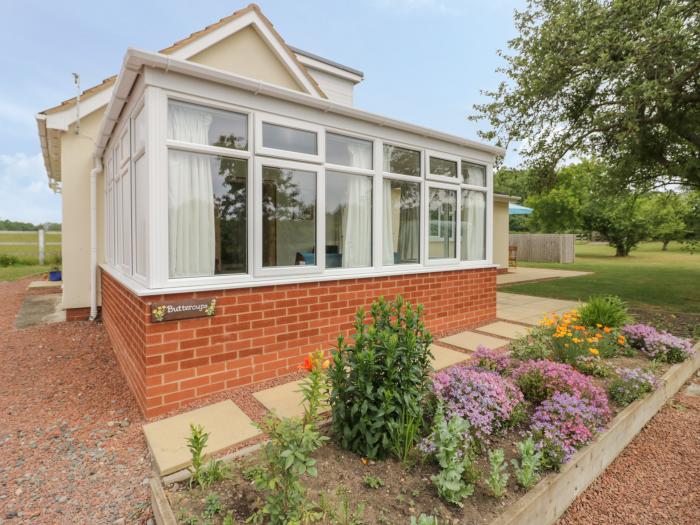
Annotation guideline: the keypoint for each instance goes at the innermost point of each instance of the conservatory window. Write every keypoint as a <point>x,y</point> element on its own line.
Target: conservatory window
<point>401,222</point>
<point>443,167</point>
<point>288,217</point>
<point>289,139</point>
<point>401,161</point>
<point>473,174</point>
<point>348,151</point>
<point>473,224</point>
<point>207,126</point>
<point>442,213</point>
<point>348,220</point>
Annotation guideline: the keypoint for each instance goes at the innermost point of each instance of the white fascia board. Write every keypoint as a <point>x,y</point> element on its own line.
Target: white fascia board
<point>44,141</point>
<point>61,120</point>
<point>135,59</point>
<point>335,71</point>
<point>501,197</point>
<point>250,18</point>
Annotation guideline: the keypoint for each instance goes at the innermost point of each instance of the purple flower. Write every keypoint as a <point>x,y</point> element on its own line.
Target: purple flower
<point>485,399</point>
<point>658,344</point>
<point>492,360</point>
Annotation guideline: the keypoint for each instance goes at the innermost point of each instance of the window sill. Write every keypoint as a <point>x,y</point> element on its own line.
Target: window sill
<point>362,273</point>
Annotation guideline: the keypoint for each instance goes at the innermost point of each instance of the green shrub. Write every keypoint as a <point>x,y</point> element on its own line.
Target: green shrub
<point>379,381</point>
<point>604,310</point>
<point>536,345</point>
<point>8,260</point>
<point>497,480</point>
<point>527,471</point>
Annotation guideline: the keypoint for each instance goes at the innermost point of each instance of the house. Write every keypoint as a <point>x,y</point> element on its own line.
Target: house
<point>229,210</point>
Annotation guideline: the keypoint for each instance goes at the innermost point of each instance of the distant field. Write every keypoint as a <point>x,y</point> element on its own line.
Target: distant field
<point>15,243</point>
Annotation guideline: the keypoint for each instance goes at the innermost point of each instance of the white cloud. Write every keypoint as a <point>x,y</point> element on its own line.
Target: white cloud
<point>24,190</point>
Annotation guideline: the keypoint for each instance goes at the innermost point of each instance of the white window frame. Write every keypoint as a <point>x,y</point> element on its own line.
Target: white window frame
<point>357,172</point>
<point>441,261</point>
<point>488,217</point>
<point>475,163</point>
<point>412,147</point>
<point>280,271</point>
<point>442,156</point>
<point>351,169</point>
<point>277,120</point>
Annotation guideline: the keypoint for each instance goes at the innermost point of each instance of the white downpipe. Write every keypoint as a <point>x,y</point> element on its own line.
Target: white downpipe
<point>93,237</point>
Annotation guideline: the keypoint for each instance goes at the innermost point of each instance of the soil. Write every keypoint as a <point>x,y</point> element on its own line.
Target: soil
<point>681,324</point>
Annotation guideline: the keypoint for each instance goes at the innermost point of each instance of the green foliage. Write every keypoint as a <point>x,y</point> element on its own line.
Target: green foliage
<point>666,213</point>
<point>535,345</point>
<point>618,217</point>
<point>8,260</point>
<point>616,80</point>
<point>424,519</point>
<point>454,454</point>
<point>212,506</point>
<point>372,482</point>
<point>381,379</point>
<point>203,475</point>
<point>527,471</point>
<point>286,457</point>
<point>341,512</point>
<point>593,366</point>
<point>605,310</point>
<point>228,519</point>
<point>404,433</point>
<point>497,479</point>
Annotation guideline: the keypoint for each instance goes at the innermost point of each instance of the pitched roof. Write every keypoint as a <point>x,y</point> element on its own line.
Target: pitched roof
<point>188,40</point>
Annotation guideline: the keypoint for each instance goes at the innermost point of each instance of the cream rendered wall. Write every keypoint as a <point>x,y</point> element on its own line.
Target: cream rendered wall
<point>500,233</point>
<point>76,163</point>
<point>336,89</point>
<point>245,53</point>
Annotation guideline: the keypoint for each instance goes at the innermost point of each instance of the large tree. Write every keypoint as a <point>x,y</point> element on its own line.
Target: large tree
<point>616,79</point>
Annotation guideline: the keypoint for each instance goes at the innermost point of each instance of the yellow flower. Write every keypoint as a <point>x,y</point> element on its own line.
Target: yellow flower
<point>566,345</point>
<point>593,351</point>
<point>591,340</point>
<point>599,335</point>
<point>576,340</point>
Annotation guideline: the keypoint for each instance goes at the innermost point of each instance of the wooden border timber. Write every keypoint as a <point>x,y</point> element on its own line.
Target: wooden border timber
<point>162,512</point>
<point>550,498</point>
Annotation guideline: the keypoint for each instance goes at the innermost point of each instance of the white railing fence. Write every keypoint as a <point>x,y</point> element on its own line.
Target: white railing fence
<point>29,243</point>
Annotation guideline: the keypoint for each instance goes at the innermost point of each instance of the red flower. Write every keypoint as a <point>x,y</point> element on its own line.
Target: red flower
<point>308,364</point>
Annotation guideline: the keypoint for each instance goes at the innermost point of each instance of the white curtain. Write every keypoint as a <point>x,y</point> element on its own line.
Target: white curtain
<point>388,226</point>
<point>473,226</point>
<point>190,196</point>
<point>357,229</point>
<point>476,175</point>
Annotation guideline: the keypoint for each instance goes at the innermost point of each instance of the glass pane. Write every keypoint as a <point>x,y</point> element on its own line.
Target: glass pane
<point>289,139</point>
<point>207,208</point>
<point>473,226</point>
<point>446,168</point>
<point>348,151</point>
<point>401,160</point>
<point>401,222</point>
<point>473,174</point>
<point>443,223</point>
<point>208,126</point>
<point>288,217</point>
<point>348,220</point>
<point>141,215</point>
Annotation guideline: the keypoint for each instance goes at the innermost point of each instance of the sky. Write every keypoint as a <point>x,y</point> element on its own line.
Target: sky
<point>425,62</point>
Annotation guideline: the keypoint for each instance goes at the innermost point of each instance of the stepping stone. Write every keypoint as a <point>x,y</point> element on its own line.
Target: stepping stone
<point>503,329</point>
<point>693,390</point>
<point>226,424</point>
<point>284,400</point>
<point>471,341</point>
<point>444,357</point>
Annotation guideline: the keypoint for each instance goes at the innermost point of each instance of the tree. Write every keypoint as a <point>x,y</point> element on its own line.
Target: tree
<point>616,79</point>
<point>618,217</point>
<point>665,214</point>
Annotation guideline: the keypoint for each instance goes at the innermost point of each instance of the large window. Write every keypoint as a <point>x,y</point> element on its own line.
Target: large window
<point>473,224</point>
<point>473,174</point>
<point>401,222</point>
<point>402,161</point>
<point>348,220</point>
<point>443,167</point>
<point>442,210</point>
<point>207,126</point>
<point>288,217</point>
<point>289,139</point>
<point>348,151</point>
<point>207,201</point>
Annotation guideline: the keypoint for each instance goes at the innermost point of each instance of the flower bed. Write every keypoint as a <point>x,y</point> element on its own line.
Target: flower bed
<point>458,445</point>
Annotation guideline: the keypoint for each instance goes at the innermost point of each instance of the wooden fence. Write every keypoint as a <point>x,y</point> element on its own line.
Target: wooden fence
<point>545,247</point>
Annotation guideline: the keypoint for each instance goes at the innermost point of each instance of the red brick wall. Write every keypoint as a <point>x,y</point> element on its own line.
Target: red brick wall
<point>261,333</point>
<point>77,314</point>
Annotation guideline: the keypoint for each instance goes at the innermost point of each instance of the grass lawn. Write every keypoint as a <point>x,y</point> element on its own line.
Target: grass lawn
<point>12,273</point>
<point>658,285</point>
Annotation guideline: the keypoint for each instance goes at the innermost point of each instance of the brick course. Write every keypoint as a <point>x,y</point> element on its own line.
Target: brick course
<point>262,332</point>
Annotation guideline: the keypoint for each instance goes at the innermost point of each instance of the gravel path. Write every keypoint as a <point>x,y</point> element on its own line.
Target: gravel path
<point>656,479</point>
<point>71,441</point>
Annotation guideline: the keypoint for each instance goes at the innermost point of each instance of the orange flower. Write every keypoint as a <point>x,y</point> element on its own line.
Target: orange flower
<point>326,364</point>
<point>607,329</point>
<point>593,351</point>
<point>308,363</point>
<point>599,335</point>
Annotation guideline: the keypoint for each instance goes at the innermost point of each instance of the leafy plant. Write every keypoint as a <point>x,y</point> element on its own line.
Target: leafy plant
<point>286,457</point>
<point>424,519</point>
<point>341,512</point>
<point>492,360</point>
<point>593,366</point>
<point>605,310</point>
<point>228,519</point>
<point>372,482</point>
<point>403,435</point>
<point>535,345</point>
<point>380,379</point>
<point>527,471</point>
<point>497,479</point>
<point>450,444</point>
<point>203,475</point>
<point>630,385</point>
<point>8,260</point>
<point>658,345</point>
<point>212,506</point>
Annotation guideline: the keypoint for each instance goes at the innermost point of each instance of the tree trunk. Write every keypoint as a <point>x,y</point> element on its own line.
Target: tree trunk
<point>665,246</point>
<point>621,250</point>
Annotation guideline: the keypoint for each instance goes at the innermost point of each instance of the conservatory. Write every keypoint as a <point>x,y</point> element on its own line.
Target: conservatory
<point>245,223</point>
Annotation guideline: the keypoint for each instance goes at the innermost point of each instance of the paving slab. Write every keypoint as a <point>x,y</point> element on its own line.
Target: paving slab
<point>504,329</point>
<point>40,310</point>
<point>522,275</point>
<point>444,357</point>
<point>284,400</point>
<point>44,284</point>
<point>471,341</point>
<point>226,424</point>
